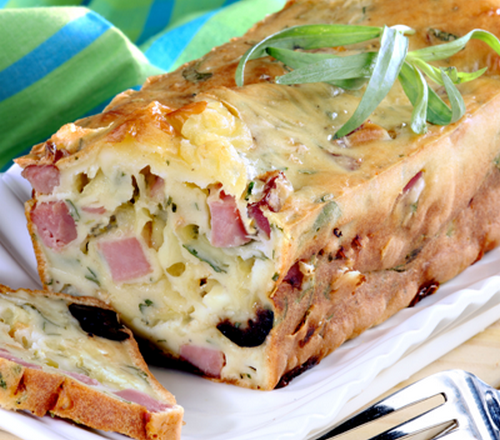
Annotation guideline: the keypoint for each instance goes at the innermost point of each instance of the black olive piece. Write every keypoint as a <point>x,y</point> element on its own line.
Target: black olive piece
<point>98,322</point>
<point>251,335</point>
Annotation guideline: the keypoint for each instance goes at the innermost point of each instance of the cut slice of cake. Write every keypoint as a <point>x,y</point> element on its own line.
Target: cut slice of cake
<point>233,232</point>
<point>70,357</point>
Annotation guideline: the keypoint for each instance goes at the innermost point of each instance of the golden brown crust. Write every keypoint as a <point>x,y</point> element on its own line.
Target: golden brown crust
<point>367,273</point>
<point>42,392</point>
<point>319,321</point>
<point>175,90</point>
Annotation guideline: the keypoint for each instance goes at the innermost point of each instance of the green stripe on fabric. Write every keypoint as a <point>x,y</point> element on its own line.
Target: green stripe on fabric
<point>89,78</point>
<point>186,10</point>
<point>40,3</point>
<point>127,15</point>
<point>229,22</point>
<point>21,31</point>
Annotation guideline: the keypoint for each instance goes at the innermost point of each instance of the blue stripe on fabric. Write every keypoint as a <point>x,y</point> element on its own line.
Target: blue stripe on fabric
<point>52,53</point>
<point>162,53</point>
<point>230,2</point>
<point>159,16</point>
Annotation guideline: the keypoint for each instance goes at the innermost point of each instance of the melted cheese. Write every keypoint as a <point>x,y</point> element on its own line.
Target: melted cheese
<point>242,135</point>
<point>192,285</point>
<point>41,331</point>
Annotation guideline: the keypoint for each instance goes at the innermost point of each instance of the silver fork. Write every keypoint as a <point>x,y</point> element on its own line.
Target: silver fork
<point>471,410</point>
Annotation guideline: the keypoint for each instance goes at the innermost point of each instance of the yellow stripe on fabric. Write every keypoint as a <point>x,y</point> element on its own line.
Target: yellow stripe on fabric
<point>89,78</point>
<point>232,21</point>
<point>24,30</point>
<point>127,15</point>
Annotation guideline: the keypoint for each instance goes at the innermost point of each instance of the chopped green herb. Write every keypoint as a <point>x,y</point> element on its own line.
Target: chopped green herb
<point>3,384</point>
<point>99,229</point>
<point>286,308</point>
<point>193,75</point>
<point>28,307</point>
<point>44,325</point>
<point>325,198</point>
<point>327,291</point>
<point>329,213</point>
<point>142,374</point>
<point>399,268</point>
<point>450,231</point>
<point>216,267</point>
<point>92,276</point>
<point>249,190</point>
<point>145,304</point>
<point>441,35</point>
<point>276,276</point>
<point>73,212</point>
<point>497,161</point>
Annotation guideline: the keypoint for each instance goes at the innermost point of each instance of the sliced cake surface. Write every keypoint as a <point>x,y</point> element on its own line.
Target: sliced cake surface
<point>231,230</point>
<point>70,357</point>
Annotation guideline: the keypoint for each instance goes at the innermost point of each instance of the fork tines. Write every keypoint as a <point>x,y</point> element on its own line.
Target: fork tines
<point>460,416</point>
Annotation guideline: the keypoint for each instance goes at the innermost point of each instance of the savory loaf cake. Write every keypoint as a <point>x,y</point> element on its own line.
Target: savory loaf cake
<point>231,229</point>
<point>70,357</point>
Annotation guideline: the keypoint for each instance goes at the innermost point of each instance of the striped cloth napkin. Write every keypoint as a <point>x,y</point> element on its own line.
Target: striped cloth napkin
<point>64,59</point>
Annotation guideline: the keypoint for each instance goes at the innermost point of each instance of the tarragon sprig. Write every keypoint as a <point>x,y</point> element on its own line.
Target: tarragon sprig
<point>377,70</point>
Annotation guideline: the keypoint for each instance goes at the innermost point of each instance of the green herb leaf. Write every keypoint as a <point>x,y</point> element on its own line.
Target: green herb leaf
<point>296,60</point>
<point>434,73</point>
<point>417,90</point>
<point>312,36</point>
<point>446,50</point>
<point>392,61</point>
<point>331,69</point>
<point>456,101</point>
<point>393,50</point>
<point>438,112</point>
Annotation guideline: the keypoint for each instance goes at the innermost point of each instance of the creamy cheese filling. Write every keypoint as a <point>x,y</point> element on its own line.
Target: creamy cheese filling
<point>151,240</point>
<point>40,332</point>
<point>182,234</point>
